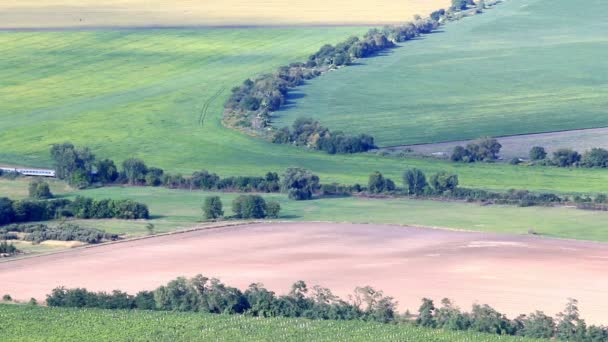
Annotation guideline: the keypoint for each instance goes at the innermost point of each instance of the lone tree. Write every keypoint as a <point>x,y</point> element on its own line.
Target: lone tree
<point>212,208</point>
<point>299,184</point>
<point>39,190</point>
<point>415,181</point>
<point>538,153</point>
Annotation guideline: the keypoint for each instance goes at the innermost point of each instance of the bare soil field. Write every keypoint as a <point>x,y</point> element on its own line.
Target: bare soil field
<point>518,146</point>
<point>124,13</point>
<point>515,274</point>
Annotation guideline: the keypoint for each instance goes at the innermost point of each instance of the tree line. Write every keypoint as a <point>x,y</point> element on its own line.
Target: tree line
<point>209,295</point>
<point>38,233</point>
<point>26,210</point>
<point>302,184</point>
<point>566,157</point>
<point>306,132</point>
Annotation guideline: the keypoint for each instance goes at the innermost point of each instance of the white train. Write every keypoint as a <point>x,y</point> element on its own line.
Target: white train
<point>30,171</point>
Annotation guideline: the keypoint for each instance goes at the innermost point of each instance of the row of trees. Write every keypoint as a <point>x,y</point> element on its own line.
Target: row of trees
<point>309,133</point>
<point>565,157</point>
<point>64,232</point>
<point>81,207</point>
<point>568,326</point>
<point>251,104</point>
<point>414,183</point>
<point>243,207</point>
<point>208,295</point>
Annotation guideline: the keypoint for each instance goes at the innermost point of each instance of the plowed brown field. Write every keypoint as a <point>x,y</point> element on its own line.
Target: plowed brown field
<point>515,274</point>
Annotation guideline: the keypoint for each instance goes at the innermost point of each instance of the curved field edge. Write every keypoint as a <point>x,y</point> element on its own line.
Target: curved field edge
<point>180,209</point>
<point>148,102</point>
<point>31,323</point>
<point>529,66</point>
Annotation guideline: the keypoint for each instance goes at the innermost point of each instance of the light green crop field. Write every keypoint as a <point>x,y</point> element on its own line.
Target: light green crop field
<point>144,93</point>
<point>31,323</point>
<point>526,66</point>
<point>179,209</point>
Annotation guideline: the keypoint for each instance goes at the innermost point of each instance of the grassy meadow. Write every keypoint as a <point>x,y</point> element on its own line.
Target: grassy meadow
<point>526,66</point>
<point>32,323</point>
<point>179,209</point>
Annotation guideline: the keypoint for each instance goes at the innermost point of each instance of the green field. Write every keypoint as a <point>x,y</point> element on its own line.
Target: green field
<point>142,93</point>
<point>31,323</point>
<point>525,66</point>
<point>178,209</point>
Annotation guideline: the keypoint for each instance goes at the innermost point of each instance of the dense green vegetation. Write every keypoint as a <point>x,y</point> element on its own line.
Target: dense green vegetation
<point>81,207</point>
<point>526,66</point>
<point>33,323</point>
<point>210,295</point>
<point>38,233</point>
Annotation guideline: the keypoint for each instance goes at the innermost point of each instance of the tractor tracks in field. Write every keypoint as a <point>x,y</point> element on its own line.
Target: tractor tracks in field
<point>207,104</point>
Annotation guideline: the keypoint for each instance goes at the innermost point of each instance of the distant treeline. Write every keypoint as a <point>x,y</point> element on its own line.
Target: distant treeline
<point>202,294</point>
<point>81,207</point>
<point>64,232</point>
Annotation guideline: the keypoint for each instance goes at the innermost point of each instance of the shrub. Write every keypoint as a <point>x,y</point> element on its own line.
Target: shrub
<point>538,153</point>
<point>565,157</point>
<point>212,208</point>
<point>300,184</point>
<point>443,181</point>
<point>376,183</point>
<point>7,298</point>
<point>273,209</point>
<point>596,157</point>
<point>249,207</point>
<point>39,190</point>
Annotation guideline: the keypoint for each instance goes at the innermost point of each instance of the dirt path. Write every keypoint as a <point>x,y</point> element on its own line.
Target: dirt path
<point>515,274</point>
<point>519,145</point>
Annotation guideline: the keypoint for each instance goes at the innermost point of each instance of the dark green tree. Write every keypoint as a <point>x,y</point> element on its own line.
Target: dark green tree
<point>7,213</point>
<point>414,181</point>
<point>299,184</point>
<point>596,157</point>
<point>106,171</point>
<point>538,153</point>
<point>443,181</point>
<point>538,325</point>
<point>376,183</point>
<point>39,189</point>
<point>273,209</point>
<point>426,314</point>
<point>212,208</point>
<point>249,207</point>
<point>135,170</point>
<point>565,157</point>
